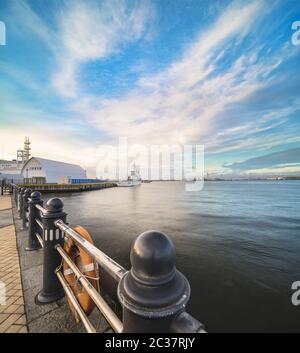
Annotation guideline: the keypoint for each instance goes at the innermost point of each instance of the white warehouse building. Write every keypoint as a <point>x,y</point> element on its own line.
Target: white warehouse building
<point>39,170</point>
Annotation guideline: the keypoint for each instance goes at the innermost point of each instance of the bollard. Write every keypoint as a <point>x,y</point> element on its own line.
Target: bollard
<point>16,194</point>
<point>33,228</point>
<point>20,206</point>
<point>13,191</point>
<point>25,197</point>
<point>153,293</point>
<point>185,323</point>
<point>52,236</point>
<point>17,198</point>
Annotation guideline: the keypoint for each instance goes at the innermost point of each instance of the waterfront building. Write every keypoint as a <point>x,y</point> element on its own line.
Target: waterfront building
<point>14,166</point>
<point>39,170</point>
<point>12,176</point>
<point>9,170</point>
<point>7,165</point>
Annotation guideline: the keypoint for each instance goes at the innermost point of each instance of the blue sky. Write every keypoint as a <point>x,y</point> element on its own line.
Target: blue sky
<point>76,74</point>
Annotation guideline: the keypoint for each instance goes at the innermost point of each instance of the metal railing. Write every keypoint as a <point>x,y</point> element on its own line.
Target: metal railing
<point>6,185</point>
<point>104,308</point>
<point>115,270</point>
<point>152,296</point>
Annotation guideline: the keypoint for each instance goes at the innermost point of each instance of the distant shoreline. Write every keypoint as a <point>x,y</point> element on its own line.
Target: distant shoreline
<point>249,179</point>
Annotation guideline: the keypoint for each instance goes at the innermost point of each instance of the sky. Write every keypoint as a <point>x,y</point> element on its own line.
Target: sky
<point>223,74</point>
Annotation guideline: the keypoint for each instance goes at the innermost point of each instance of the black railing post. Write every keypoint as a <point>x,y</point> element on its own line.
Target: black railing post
<point>20,202</point>
<point>153,293</point>
<point>33,227</point>
<point>15,194</point>
<point>52,236</point>
<point>25,197</point>
<point>17,190</point>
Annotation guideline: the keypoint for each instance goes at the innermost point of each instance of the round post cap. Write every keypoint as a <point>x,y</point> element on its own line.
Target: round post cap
<point>54,205</point>
<point>153,284</point>
<point>153,258</point>
<point>36,195</point>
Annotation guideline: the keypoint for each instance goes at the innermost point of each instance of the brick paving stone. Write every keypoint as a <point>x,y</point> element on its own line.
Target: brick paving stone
<point>10,309</point>
<point>20,301</point>
<point>20,310</point>
<point>23,329</point>
<point>5,203</point>
<point>21,320</point>
<point>3,317</point>
<point>8,322</point>
<point>14,328</point>
<point>12,314</point>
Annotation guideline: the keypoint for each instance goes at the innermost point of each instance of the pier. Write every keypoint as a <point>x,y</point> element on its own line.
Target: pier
<point>59,188</point>
<point>150,297</point>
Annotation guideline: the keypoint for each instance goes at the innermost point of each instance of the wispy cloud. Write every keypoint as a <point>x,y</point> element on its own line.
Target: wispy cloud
<point>90,30</point>
<point>190,101</point>
<point>26,22</point>
<point>244,135</point>
<point>227,86</point>
<point>187,96</point>
<point>282,159</point>
<point>83,31</point>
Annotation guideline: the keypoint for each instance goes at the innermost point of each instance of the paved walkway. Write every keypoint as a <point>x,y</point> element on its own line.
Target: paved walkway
<point>17,264</point>
<point>12,313</point>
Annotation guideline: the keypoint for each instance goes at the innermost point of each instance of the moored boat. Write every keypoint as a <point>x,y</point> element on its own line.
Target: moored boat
<point>133,179</point>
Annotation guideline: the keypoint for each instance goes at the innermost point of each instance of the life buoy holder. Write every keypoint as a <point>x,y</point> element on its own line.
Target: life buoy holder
<point>87,266</point>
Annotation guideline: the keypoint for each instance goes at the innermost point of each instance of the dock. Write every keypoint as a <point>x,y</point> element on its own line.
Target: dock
<point>59,188</point>
<point>22,273</point>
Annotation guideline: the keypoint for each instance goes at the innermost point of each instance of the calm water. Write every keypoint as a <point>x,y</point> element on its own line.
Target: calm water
<point>238,243</point>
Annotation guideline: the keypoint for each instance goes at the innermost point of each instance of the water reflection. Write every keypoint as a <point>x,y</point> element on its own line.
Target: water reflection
<point>237,242</point>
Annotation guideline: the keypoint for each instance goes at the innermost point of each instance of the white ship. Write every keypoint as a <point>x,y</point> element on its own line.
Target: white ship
<point>133,179</point>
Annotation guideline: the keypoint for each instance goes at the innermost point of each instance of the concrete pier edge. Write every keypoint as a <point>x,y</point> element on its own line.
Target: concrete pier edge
<point>55,317</point>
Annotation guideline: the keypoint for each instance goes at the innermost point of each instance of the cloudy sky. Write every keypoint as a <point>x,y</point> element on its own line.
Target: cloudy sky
<point>225,74</point>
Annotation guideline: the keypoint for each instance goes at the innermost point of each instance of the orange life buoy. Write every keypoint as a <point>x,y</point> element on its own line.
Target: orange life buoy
<point>88,268</point>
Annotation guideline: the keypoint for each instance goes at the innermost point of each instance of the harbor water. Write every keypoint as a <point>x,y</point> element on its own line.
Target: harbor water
<point>238,243</point>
